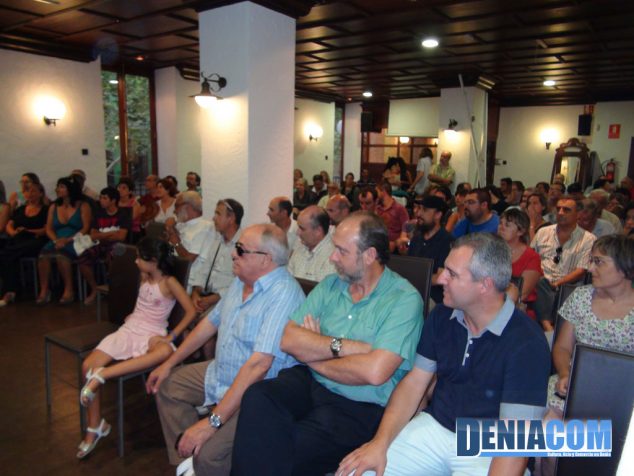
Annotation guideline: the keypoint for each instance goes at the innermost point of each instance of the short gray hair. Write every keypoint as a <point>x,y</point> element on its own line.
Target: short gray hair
<point>491,258</point>
<point>275,242</point>
<point>193,199</point>
<point>589,205</point>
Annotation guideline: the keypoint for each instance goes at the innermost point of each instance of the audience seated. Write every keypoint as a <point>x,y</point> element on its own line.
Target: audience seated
<point>628,223</point>
<point>212,272</point>
<point>602,198</point>
<point>453,216</point>
<point>514,225</point>
<point>5,211</point>
<point>442,173</point>
<point>319,187</point>
<point>333,189</point>
<point>81,179</point>
<point>311,256</point>
<point>393,213</point>
<point>311,415</point>
<point>498,202</point>
<point>67,216</point>
<point>536,207</point>
<point>325,176</point>
<point>128,201</point>
<point>588,219</point>
<point>475,341</point>
<point>165,193</point>
<point>27,234</point>
<point>192,181</point>
<point>392,173</point>
<point>564,250</point>
<point>17,198</point>
<point>249,321</point>
<point>368,198</point>
<point>506,184</point>
<point>430,239</point>
<point>517,190</point>
<point>302,197</point>
<point>110,225</point>
<point>280,213</point>
<point>149,207</point>
<point>600,314</point>
<point>351,191</point>
<point>189,233</point>
<point>142,341</point>
<point>338,208</point>
<point>365,180</point>
<point>555,192</point>
<point>478,216</point>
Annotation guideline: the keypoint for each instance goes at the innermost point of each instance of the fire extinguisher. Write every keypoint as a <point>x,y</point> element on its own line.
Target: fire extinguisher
<point>610,170</point>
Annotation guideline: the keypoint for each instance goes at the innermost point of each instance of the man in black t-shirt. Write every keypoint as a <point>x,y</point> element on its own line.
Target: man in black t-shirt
<point>110,225</point>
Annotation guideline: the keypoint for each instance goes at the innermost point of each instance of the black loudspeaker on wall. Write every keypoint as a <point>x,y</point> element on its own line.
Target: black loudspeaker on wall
<point>366,121</point>
<point>585,125</point>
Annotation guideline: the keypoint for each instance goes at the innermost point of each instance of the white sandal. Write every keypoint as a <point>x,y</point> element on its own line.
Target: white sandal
<point>101,431</point>
<point>86,396</point>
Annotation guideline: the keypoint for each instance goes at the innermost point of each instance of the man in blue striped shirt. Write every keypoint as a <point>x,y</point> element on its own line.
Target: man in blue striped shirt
<point>249,320</point>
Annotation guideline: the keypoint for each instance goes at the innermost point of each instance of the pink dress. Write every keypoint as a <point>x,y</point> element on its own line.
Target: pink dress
<point>148,319</point>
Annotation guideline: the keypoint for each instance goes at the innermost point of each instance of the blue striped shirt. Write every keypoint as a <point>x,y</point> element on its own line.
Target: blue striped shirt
<point>255,325</point>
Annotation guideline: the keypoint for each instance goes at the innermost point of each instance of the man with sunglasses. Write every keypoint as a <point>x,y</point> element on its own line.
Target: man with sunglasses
<point>249,321</point>
<point>356,335</point>
<point>564,249</point>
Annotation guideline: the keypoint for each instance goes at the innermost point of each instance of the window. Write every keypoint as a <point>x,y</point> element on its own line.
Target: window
<point>128,119</point>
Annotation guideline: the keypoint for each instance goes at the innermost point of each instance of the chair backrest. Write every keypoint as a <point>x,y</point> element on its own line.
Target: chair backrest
<point>518,281</point>
<point>601,387</point>
<point>562,294</point>
<point>418,271</point>
<point>123,278</point>
<point>155,230</point>
<point>307,285</point>
<point>181,273</point>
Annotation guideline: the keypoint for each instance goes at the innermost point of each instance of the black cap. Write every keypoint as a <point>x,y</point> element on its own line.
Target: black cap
<point>434,202</point>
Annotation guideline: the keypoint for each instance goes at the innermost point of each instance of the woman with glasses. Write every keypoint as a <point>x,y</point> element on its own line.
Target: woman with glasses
<point>601,314</point>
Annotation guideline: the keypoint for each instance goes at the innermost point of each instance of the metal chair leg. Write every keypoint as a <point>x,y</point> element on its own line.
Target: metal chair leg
<point>120,404</point>
<point>47,370</point>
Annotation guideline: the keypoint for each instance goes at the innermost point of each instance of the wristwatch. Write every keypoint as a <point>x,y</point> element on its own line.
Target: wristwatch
<point>335,346</point>
<point>215,421</point>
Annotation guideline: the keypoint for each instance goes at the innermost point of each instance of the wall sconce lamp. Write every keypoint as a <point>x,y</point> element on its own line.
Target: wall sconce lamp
<point>548,145</point>
<point>452,125</point>
<point>549,136</point>
<point>206,97</point>
<point>52,110</point>
<point>314,133</point>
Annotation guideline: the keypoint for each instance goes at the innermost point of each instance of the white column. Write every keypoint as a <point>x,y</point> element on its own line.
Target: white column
<point>247,138</point>
<point>463,106</point>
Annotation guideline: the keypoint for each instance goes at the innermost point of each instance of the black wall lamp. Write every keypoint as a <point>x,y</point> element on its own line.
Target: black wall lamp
<point>206,97</point>
<point>452,125</point>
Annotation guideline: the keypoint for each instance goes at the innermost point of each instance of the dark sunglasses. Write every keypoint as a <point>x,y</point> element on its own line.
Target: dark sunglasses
<point>557,257</point>
<point>240,251</point>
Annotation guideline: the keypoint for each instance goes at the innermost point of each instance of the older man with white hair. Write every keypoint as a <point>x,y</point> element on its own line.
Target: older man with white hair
<point>310,258</point>
<point>249,321</point>
<point>602,198</point>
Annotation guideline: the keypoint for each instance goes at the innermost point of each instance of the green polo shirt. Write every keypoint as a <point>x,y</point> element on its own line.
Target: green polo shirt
<point>389,318</point>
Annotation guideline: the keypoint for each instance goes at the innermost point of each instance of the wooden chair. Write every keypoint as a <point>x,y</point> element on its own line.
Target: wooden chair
<point>601,387</point>
<point>83,339</point>
<point>418,271</point>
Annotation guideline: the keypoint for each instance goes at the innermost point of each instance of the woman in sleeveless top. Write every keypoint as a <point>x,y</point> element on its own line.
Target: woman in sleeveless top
<point>165,192</point>
<point>66,217</point>
<point>27,232</point>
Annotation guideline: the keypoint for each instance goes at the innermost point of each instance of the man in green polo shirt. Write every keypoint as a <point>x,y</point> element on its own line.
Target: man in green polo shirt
<point>356,336</point>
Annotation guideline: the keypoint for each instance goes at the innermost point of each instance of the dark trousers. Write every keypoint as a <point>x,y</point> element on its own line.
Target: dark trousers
<point>292,425</point>
<point>10,257</point>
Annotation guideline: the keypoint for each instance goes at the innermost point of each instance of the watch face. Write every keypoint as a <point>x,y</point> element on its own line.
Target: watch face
<point>214,420</point>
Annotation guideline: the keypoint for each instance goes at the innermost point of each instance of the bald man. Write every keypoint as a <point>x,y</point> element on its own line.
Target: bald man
<point>338,208</point>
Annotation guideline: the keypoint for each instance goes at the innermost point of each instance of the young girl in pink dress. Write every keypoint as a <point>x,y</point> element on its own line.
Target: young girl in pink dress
<point>142,341</point>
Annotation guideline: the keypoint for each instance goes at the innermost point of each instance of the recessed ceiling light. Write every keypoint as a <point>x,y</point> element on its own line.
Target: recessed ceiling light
<point>430,43</point>
<point>140,58</point>
<point>113,81</point>
<point>550,82</point>
<point>367,94</point>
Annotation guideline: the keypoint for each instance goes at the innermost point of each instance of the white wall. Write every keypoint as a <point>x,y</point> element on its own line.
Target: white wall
<point>177,124</point>
<point>29,145</point>
<point>522,145</point>
<point>310,156</point>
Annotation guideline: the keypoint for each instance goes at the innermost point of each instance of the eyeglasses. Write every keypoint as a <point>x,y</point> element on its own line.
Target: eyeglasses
<point>240,251</point>
<point>557,257</point>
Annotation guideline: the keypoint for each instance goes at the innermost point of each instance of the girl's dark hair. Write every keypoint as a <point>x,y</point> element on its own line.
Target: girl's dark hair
<point>153,249</point>
<point>74,190</point>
